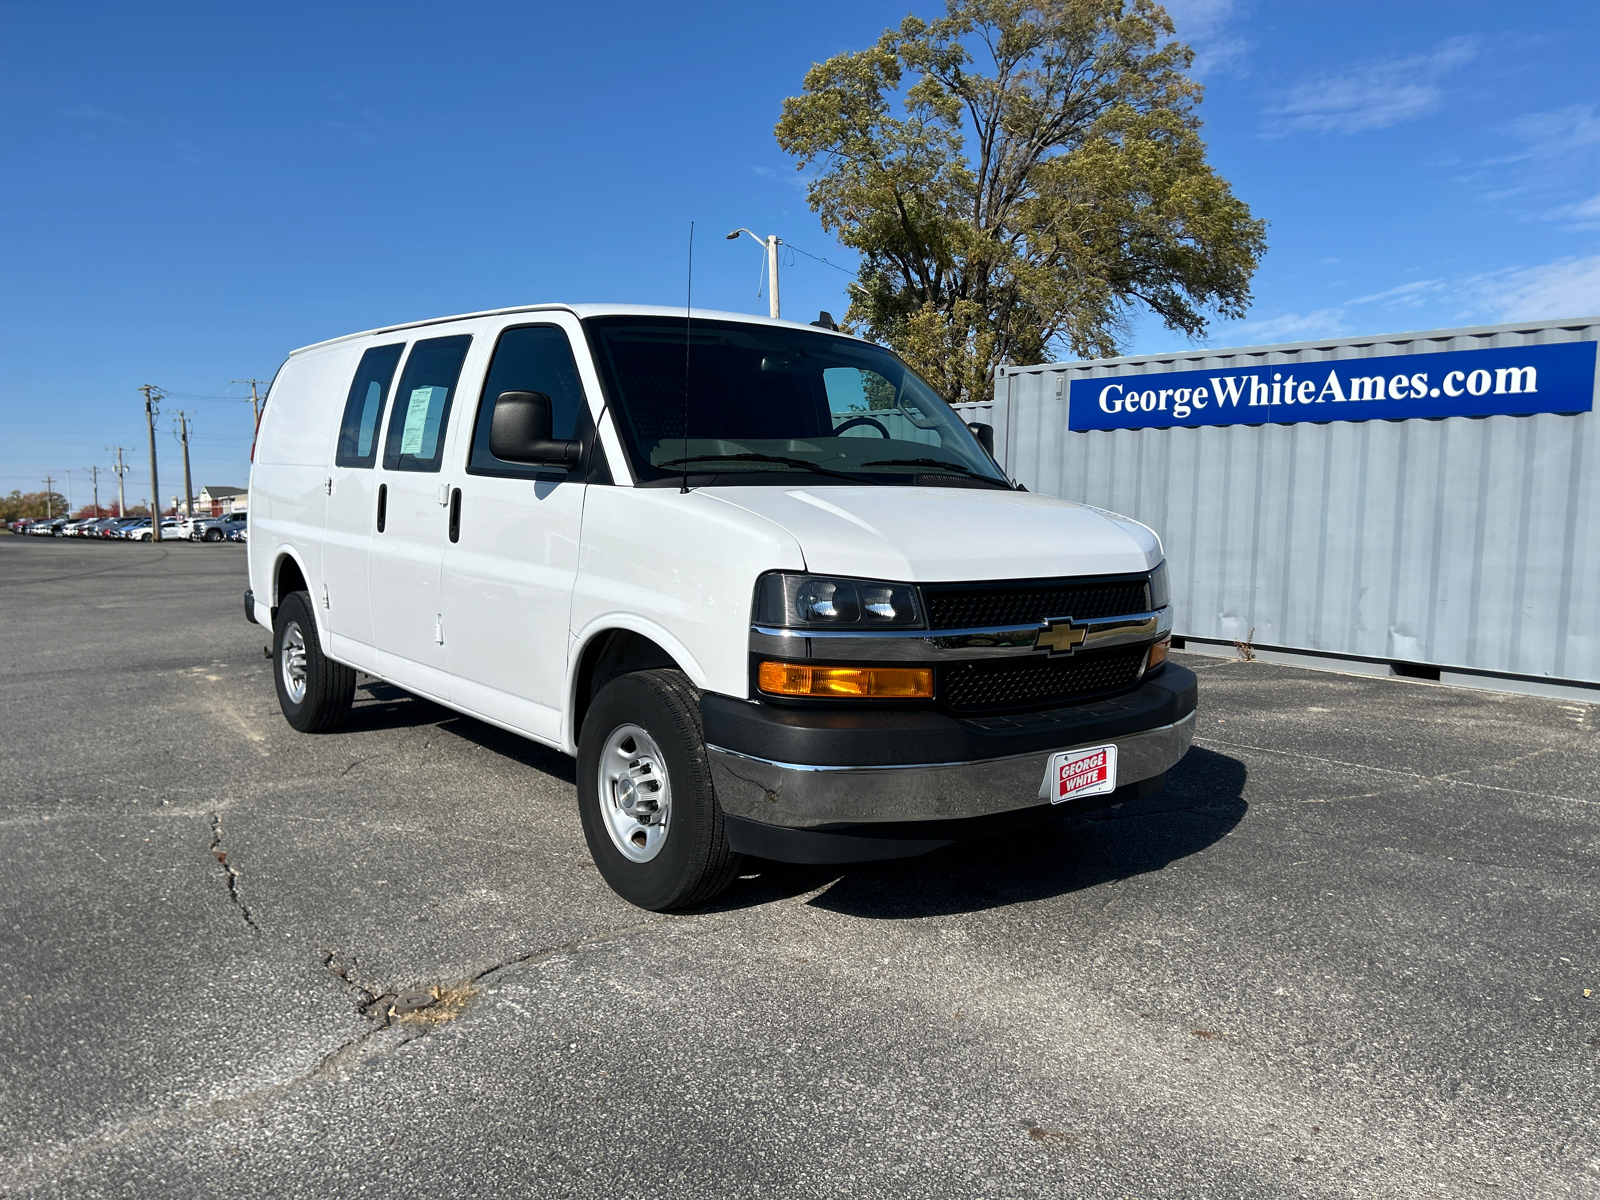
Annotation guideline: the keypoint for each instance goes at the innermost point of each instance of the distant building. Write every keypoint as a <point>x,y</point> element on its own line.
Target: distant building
<point>220,501</point>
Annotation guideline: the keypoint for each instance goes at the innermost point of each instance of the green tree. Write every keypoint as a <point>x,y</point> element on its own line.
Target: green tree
<point>31,504</point>
<point>1003,215</point>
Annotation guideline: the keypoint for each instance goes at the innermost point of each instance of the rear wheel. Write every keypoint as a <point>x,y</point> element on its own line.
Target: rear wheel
<point>314,691</point>
<point>649,813</point>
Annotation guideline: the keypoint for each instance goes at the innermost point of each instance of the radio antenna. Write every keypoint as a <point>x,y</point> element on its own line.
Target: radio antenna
<point>688,306</point>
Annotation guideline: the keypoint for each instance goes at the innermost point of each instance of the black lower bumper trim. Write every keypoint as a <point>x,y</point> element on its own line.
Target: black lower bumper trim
<point>250,606</point>
<point>906,839</point>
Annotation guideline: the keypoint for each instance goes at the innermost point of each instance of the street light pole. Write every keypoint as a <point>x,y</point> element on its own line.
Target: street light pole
<point>771,242</point>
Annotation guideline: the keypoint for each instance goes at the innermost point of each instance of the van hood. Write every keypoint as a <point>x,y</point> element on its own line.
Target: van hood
<point>932,534</point>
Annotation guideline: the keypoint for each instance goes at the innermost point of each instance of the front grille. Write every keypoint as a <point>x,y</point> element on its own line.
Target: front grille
<point>991,686</point>
<point>1027,601</point>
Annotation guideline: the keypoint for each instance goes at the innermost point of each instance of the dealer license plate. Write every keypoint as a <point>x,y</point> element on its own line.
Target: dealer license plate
<point>1076,773</point>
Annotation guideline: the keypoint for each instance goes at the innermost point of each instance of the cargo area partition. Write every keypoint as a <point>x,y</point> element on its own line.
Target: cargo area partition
<point>1447,543</point>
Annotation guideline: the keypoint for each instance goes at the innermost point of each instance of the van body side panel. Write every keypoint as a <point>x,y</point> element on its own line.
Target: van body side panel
<point>288,484</point>
<point>690,562</point>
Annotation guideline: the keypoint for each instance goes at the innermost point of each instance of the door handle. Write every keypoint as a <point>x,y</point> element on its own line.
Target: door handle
<point>455,515</point>
<point>383,505</point>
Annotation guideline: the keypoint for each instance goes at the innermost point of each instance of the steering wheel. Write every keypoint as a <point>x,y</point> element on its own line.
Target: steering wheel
<point>854,421</point>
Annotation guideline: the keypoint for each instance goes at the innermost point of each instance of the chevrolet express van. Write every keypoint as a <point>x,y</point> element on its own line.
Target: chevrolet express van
<point>761,581</point>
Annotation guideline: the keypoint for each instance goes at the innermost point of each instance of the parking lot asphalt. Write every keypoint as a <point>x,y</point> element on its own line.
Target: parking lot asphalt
<point>1350,951</point>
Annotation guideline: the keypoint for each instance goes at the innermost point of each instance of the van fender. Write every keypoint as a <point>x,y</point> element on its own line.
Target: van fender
<point>288,550</point>
<point>598,627</point>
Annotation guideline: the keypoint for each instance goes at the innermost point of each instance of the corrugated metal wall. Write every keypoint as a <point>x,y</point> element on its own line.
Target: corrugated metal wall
<point>1467,543</point>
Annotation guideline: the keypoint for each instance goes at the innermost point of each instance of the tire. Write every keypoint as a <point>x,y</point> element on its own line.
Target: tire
<point>213,535</point>
<point>314,691</point>
<point>640,738</point>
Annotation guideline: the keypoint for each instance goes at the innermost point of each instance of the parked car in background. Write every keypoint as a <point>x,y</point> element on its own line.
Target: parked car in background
<point>218,528</point>
<point>50,528</point>
<point>241,534</point>
<point>169,531</point>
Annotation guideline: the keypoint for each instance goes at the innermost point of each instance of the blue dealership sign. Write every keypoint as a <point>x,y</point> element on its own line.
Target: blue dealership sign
<point>1556,378</point>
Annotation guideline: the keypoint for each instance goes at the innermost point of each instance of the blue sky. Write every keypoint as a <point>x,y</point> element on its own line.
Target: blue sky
<point>191,191</point>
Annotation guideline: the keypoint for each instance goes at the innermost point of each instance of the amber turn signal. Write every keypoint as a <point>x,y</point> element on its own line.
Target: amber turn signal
<point>798,679</point>
<point>1158,653</point>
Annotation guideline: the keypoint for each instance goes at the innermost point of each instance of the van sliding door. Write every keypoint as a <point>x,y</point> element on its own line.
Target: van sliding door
<point>408,553</point>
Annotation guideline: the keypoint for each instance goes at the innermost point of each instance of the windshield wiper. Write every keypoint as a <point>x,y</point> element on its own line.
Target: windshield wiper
<point>937,462</point>
<point>803,464</point>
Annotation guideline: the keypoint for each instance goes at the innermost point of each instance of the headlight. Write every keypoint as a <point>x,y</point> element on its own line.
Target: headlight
<point>822,602</point>
<point>1160,597</point>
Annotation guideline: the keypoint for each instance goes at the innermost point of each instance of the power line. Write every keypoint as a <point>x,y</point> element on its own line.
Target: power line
<point>823,261</point>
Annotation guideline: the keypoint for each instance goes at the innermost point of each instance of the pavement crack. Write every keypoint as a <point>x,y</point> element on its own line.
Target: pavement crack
<point>220,853</point>
<point>576,944</point>
<point>334,1066</point>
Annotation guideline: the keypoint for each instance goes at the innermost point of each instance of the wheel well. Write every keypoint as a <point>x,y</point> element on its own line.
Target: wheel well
<point>289,580</point>
<point>613,653</point>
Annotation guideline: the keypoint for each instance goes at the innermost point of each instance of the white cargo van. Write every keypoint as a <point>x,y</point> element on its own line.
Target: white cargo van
<point>756,576</point>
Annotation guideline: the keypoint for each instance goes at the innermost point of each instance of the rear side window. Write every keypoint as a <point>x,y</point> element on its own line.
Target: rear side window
<point>421,412</point>
<point>533,358</point>
<point>363,408</point>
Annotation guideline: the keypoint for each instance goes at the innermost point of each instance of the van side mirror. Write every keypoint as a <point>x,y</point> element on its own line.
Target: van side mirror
<point>519,431</point>
<point>984,434</point>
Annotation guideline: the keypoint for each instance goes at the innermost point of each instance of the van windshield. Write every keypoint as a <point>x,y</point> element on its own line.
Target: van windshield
<point>766,404</point>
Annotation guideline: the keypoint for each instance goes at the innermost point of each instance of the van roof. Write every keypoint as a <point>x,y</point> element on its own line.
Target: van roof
<point>577,310</point>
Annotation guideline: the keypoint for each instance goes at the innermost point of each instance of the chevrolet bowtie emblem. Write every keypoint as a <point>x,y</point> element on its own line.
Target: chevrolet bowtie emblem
<point>1060,636</point>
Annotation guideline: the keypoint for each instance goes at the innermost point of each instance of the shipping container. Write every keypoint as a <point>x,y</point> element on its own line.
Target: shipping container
<point>1350,497</point>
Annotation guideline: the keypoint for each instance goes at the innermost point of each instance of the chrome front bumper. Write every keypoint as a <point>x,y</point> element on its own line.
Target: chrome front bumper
<point>798,796</point>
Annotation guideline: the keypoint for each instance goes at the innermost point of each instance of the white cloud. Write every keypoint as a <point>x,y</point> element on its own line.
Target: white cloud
<point>1585,214</point>
<point>1556,135</point>
<point>1374,96</point>
<point>799,180</point>
<point>1568,287</point>
<point>1406,295</point>
<point>88,112</point>
<point>1207,26</point>
<point>1290,327</point>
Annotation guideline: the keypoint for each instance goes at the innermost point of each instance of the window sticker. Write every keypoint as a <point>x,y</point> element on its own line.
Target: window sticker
<point>422,426</point>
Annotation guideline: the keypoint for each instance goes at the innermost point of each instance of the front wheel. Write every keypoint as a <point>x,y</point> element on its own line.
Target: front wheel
<point>649,813</point>
<point>213,535</point>
<point>314,691</point>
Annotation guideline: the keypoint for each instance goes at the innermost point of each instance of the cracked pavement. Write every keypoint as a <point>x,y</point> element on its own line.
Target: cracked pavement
<point>1350,951</point>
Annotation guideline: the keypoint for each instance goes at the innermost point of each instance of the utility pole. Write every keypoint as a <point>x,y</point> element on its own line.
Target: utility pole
<point>255,402</point>
<point>94,479</point>
<point>152,394</point>
<point>122,496</point>
<point>188,488</point>
<point>49,484</point>
<point>771,242</point>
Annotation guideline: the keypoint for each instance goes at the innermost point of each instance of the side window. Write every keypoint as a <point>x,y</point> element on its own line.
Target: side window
<point>363,408</point>
<point>532,358</point>
<point>421,411</point>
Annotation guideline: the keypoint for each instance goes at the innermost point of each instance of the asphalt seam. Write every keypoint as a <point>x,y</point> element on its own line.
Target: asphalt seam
<point>1413,775</point>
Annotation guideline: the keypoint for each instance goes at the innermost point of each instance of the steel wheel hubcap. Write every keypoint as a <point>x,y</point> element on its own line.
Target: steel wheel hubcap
<point>635,793</point>
<point>294,662</point>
